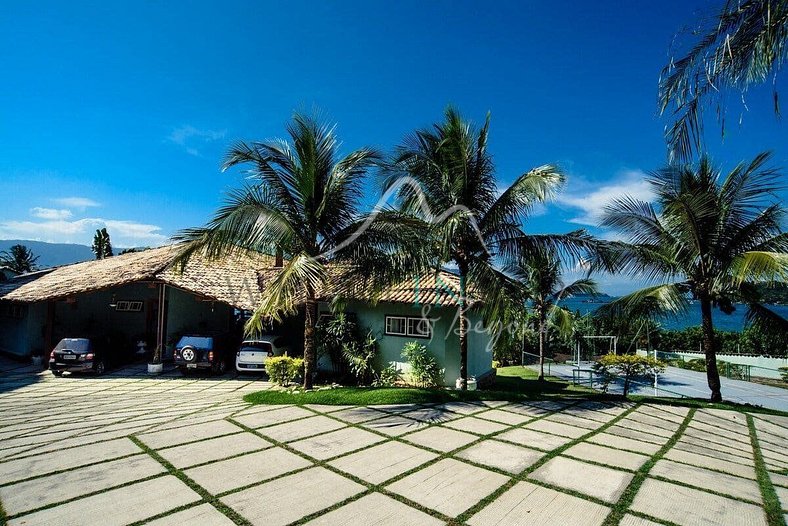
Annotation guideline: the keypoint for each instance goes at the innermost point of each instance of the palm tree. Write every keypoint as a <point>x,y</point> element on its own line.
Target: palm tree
<point>541,284</point>
<point>719,237</point>
<point>19,258</point>
<point>102,246</point>
<point>304,204</point>
<point>446,177</point>
<point>745,44</point>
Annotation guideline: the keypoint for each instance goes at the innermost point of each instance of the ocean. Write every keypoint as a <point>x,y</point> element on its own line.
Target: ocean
<point>722,321</point>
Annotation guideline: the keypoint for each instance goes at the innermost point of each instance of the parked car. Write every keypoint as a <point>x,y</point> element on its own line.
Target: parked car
<point>202,352</point>
<point>77,355</point>
<point>252,354</point>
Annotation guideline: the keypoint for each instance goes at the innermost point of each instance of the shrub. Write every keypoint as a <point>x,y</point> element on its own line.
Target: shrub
<point>389,376</point>
<point>630,366</point>
<point>283,370</point>
<point>783,373</point>
<point>424,369</point>
<point>360,357</point>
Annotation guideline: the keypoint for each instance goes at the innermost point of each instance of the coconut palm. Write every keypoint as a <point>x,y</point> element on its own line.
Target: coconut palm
<point>303,202</point>
<point>710,237</point>
<point>541,284</point>
<point>446,177</point>
<point>102,246</point>
<point>745,44</point>
<point>19,258</point>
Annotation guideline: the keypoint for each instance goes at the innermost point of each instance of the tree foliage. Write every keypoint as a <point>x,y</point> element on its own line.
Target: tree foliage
<point>629,367</point>
<point>19,258</point>
<point>102,245</point>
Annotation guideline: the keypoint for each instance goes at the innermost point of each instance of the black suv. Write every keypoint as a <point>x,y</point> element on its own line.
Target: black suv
<point>202,352</point>
<point>77,355</point>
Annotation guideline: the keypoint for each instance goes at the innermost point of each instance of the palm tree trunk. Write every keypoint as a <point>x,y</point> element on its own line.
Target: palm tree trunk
<point>541,345</point>
<point>712,374</point>
<point>310,320</point>
<point>463,329</point>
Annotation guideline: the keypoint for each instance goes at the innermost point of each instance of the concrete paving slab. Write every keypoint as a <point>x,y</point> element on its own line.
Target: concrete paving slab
<point>448,486</point>
<point>632,520</point>
<point>378,510</point>
<point>732,485</point>
<point>213,449</point>
<point>534,439</point>
<point>476,425</point>
<point>627,444</point>
<point>505,417</point>
<point>556,428</point>
<point>322,408</point>
<point>527,503</point>
<point>501,455</point>
<point>202,515</point>
<point>683,445</point>
<point>287,499</point>
<point>603,483</point>
<point>431,415</point>
<point>606,455</point>
<point>782,495</point>
<point>237,472</point>
<point>193,433</point>
<point>23,468</point>
<point>336,443</point>
<point>356,415</point>
<point>380,463</point>
<point>633,423</point>
<point>526,410</point>
<point>43,491</point>
<point>276,416</point>
<point>717,464</point>
<point>574,420</point>
<point>298,429</point>
<point>692,507</point>
<point>440,438</point>
<point>394,425</point>
<point>627,432</point>
<point>116,507</point>
<point>462,408</point>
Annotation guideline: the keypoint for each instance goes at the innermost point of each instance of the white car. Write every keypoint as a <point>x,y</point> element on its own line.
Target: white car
<point>253,354</point>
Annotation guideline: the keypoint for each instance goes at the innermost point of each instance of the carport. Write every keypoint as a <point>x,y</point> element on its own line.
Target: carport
<point>135,297</point>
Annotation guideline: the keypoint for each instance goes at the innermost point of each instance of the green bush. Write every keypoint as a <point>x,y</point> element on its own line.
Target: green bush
<point>283,370</point>
<point>361,357</point>
<point>628,366</point>
<point>783,373</point>
<point>389,376</point>
<point>424,369</point>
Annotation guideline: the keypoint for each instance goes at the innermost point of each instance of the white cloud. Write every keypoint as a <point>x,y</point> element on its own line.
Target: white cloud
<point>76,202</point>
<point>123,233</point>
<point>189,137</point>
<point>590,199</point>
<point>50,213</point>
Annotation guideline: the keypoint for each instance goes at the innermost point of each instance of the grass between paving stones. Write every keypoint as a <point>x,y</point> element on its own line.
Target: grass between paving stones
<point>202,492</point>
<point>3,516</point>
<point>621,507</point>
<point>772,506</point>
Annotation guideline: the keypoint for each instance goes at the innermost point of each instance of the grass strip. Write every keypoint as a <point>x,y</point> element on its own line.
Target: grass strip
<point>202,492</point>
<point>625,501</point>
<point>771,503</point>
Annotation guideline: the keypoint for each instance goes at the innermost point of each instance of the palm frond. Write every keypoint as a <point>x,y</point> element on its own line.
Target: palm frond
<point>649,302</point>
<point>760,267</point>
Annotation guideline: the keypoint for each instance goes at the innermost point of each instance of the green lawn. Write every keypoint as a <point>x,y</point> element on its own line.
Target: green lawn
<point>512,383</point>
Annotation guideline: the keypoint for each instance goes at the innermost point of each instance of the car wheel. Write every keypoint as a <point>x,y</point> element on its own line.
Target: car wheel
<point>100,368</point>
<point>58,373</point>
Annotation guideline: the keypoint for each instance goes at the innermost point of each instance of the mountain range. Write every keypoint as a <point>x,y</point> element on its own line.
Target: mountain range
<point>51,254</point>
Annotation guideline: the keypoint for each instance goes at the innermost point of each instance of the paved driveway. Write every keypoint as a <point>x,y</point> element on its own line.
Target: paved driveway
<point>127,449</point>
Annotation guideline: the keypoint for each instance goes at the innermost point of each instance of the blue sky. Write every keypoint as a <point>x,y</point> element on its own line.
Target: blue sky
<point>118,113</point>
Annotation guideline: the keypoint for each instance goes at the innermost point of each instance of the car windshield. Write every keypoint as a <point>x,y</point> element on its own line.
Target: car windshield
<point>256,346</point>
<point>199,342</point>
<point>79,345</point>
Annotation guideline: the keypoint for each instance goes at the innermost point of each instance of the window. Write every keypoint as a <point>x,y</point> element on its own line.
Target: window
<point>396,325</point>
<point>419,327</point>
<point>408,326</point>
<point>128,306</point>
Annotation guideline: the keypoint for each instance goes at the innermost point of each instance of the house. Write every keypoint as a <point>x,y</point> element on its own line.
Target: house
<point>143,297</point>
<point>7,273</point>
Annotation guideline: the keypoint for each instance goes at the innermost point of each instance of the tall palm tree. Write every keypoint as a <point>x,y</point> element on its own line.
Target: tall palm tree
<point>540,282</point>
<point>445,176</point>
<point>303,202</point>
<point>745,44</point>
<point>718,236</point>
<point>19,258</point>
<point>102,246</point>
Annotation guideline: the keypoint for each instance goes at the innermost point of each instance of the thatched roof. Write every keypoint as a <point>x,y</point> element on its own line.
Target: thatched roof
<point>238,280</point>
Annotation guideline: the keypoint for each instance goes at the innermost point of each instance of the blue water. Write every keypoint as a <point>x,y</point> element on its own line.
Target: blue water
<point>722,321</point>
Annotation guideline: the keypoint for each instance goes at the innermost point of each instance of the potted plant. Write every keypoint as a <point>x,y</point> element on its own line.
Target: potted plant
<point>155,366</point>
<point>38,357</point>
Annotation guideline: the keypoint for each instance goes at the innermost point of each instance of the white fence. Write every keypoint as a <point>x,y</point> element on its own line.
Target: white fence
<point>761,366</point>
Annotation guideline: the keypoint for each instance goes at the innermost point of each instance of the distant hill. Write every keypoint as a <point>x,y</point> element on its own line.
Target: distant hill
<point>51,254</point>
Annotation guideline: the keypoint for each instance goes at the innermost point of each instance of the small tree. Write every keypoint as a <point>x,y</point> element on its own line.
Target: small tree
<point>424,369</point>
<point>628,366</point>
<point>102,247</point>
<point>19,258</point>
<point>360,356</point>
